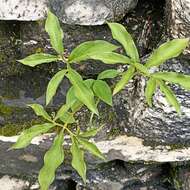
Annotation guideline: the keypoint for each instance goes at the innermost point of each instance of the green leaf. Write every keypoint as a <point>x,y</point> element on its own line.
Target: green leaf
<point>141,68</point>
<point>108,74</point>
<point>103,91</point>
<point>64,108</point>
<point>53,85</point>
<point>149,91</point>
<point>89,82</point>
<point>183,80</point>
<point>52,160</point>
<point>37,59</point>
<point>120,34</point>
<point>26,137</point>
<point>78,162</point>
<point>90,48</point>
<point>167,51</point>
<point>126,77</point>
<point>90,132</point>
<point>67,118</point>
<point>170,96</point>
<point>110,58</point>
<point>39,110</point>
<point>71,99</point>
<point>92,148</point>
<point>55,32</point>
<point>82,92</point>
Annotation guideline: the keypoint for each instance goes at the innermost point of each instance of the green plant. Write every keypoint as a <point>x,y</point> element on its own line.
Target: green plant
<point>89,92</point>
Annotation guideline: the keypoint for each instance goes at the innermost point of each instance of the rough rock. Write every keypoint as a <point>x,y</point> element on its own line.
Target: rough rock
<point>8,183</point>
<point>82,12</point>
<point>91,12</point>
<point>22,9</point>
<point>178,19</point>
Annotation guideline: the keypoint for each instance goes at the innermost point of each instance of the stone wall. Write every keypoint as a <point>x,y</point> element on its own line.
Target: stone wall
<point>146,148</point>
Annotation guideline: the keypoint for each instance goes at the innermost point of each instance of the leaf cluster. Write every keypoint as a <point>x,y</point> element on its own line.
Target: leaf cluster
<point>88,93</point>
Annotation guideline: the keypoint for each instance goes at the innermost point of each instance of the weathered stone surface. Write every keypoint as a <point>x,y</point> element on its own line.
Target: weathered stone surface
<point>91,12</point>
<point>178,18</point>
<point>8,183</point>
<point>82,12</point>
<point>22,9</point>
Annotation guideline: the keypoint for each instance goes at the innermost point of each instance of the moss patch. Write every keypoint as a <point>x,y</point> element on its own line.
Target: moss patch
<point>15,129</point>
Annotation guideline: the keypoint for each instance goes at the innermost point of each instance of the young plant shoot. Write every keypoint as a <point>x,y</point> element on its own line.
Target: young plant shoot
<point>88,93</point>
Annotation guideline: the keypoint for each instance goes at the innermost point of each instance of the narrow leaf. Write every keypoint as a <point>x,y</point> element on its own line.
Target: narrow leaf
<point>64,108</point>
<point>90,132</point>
<point>37,59</point>
<point>67,118</point>
<point>167,51</point>
<point>183,80</point>
<point>92,148</point>
<point>170,96</point>
<point>53,85</point>
<point>120,34</point>
<point>126,77</point>
<point>141,68</point>
<point>39,110</point>
<point>72,100</point>
<point>82,92</point>
<point>55,32</point>
<point>149,91</point>
<point>103,91</point>
<point>110,58</point>
<point>78,162</point>
<point>87,49</point>
<point>52,160</point>
<point>26,137</point>
<point>110,73</point>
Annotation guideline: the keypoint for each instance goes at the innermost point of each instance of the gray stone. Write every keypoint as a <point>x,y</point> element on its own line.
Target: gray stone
<point>91,12</point>
<point>22,9</point>
<point>82,12</point>
<point>178,19</point>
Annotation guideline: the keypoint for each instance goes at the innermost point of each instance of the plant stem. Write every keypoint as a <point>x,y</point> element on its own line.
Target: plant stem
<point>92,114</point>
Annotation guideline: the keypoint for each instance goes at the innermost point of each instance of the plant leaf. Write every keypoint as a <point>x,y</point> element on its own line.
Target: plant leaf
<point>82,92</point>
<point>149,91</point>
<point>55,32</point>
<point>67,118</point>
<point>103,91</point>
<point>89,82</point>
<point>120,34</point>
<point>92,148</point>
<point>37,59</point>
<point>111,58</point>
<point>52,160</point>
<point>64,108</point>
<point>141,68</point>
<point>126,76</point>
<point>78,162</point>
<point>53,85</point>
<point>39,110</point>
<point>26,137</point>
<point>170,96</point>
<point>90,48</point>
<point>110,73</point>
<point>167,51</point>
<point>71,99</point>
<point>183,80</point>
<point>90,132</point>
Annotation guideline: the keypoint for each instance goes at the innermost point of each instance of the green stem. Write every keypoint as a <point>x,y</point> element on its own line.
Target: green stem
<point>92,114</point>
